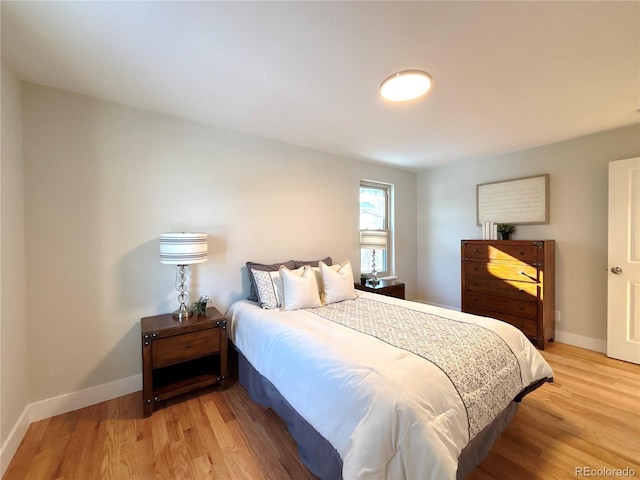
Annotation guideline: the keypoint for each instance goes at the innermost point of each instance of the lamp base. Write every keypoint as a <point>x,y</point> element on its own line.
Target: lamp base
<point>181,313</point>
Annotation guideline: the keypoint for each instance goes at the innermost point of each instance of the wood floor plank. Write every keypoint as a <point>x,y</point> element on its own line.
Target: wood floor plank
<point>590,417</point>
<point>161,446</point>
<point>143,451</point>
<point>81,440</point>
<point>239,465</point>
<point>111,443</point>
<point>214,454</point>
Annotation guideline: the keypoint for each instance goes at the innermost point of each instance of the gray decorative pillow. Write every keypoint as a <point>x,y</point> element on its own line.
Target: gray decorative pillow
<point>312,263</point>
<point>253,295</point>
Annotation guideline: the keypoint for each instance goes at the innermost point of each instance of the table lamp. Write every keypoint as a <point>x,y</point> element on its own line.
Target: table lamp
<point>375,240</point>
<point>182,249</point>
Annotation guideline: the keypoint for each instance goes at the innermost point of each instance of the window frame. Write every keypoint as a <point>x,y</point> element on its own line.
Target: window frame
<point>388,225</point>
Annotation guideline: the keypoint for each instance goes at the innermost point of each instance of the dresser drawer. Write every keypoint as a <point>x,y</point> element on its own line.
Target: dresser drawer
<point>505,271</point>
<point>525,253</point>
<point>509,306</point>
<point>502,288</point>
<point>528,326</point>
<point>167,351</point>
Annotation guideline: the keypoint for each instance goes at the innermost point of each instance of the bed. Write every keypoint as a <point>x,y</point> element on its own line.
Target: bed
<point>374,387</point>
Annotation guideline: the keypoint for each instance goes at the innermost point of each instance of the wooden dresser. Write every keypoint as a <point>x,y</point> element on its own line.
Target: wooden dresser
<point>513,281</point>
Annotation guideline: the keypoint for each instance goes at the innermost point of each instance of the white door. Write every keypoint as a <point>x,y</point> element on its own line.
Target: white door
<point>623,316</point>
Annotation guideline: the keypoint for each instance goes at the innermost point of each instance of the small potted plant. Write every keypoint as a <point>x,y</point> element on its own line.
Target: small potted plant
<point>199,308</point>
<point>505,230</point>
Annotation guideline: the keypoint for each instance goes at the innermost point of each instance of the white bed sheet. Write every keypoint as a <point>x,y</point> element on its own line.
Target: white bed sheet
<point>389,413</point>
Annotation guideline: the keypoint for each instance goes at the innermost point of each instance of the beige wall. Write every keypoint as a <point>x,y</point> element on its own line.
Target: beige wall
<point>13,318</point>
<point>579,172</point>
<point>102,181</point>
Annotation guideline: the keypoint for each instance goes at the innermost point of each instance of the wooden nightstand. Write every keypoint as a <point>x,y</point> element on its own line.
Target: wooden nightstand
<point>181,356</point>
<point>390,288</point>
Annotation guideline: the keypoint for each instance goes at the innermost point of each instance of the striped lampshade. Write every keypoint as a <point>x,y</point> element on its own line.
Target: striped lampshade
<point>183,248</point>
<point>376,239</point>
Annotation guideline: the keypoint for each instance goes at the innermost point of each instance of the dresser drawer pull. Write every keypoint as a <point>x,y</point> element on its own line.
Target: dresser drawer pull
<point>188,345</point>
<point>528,276</point>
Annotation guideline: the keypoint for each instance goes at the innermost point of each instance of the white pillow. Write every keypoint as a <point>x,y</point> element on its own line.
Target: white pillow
<point>337,281</point>
<point>277,283</point>
<point>269,288</point>
<point>316,270</point>
<point>300,288</point>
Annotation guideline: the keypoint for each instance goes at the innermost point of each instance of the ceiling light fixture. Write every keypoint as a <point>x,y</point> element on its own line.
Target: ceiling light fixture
<point>406,85</point>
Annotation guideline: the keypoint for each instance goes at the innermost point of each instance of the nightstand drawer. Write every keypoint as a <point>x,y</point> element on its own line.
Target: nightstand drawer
<point>179,348</point>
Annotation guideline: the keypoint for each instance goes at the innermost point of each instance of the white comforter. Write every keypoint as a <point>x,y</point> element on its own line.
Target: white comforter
<point>389,413</point>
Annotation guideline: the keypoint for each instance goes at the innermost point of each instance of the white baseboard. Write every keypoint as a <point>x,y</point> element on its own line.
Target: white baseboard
<point>589,343</point>
<point>11,444</point>
<point>448,307</point>
<point>62,404</point>
<point>90,396</point>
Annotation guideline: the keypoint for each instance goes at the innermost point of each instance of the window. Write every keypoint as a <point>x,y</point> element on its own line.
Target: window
<point>375,212</point>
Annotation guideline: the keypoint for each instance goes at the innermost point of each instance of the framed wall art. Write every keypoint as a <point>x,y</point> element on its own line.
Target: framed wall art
<point>523,201</point>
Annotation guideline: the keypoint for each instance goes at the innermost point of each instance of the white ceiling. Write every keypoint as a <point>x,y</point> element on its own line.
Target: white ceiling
<point>507,75</point>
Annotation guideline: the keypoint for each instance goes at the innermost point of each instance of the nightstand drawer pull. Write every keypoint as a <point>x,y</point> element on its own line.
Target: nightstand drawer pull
<point>188,345</point>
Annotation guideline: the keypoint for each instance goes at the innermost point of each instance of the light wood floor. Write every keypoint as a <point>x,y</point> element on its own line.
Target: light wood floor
<point>590,417</point>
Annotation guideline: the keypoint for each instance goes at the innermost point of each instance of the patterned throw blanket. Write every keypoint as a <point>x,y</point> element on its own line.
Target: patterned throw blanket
<point>479,364</point>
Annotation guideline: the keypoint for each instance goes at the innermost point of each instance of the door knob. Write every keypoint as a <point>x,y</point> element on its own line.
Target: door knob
<point>616,270</point>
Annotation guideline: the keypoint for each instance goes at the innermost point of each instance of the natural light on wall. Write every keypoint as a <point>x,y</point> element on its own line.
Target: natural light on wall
<point>406,85</point>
